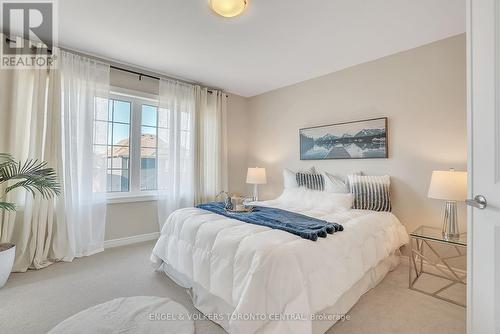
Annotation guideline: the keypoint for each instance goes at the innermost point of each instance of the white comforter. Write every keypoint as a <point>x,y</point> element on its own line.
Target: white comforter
<point>267,272</point>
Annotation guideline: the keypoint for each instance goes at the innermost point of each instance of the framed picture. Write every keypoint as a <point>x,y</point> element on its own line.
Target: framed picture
<point>350,140</point>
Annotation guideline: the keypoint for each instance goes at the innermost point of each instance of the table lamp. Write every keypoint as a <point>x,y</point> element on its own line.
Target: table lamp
<point>450,186</point>
<point>256,176</point>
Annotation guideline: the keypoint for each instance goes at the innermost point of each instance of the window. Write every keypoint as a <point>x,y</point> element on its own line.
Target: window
<point>134,125</point>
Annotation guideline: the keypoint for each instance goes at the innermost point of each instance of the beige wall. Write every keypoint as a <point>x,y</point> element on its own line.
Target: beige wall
<point>423,93</point>
<point>130,219</point>
<point>238,134</point>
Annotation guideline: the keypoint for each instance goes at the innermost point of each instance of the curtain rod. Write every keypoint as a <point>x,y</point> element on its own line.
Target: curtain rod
<point>134,72</point>
<point>209,90</point>
<point>33,48</point>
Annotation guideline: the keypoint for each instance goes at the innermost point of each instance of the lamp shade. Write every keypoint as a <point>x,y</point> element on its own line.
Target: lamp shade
<point>256,176</point>
<point>448,185</point>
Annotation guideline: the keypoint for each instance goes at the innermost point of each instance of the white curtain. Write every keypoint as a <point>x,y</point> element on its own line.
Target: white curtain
<point>29,126</point>
<point>192,153</point>
<point>211,144</point>
<point>49,115</point>
<point>176,143</point>
<point>84,88</point>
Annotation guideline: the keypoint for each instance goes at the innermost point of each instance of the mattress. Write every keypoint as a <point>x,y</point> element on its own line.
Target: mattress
<point>267,280</point>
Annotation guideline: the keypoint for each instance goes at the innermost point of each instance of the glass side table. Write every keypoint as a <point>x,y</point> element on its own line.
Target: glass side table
<point>430,239</point>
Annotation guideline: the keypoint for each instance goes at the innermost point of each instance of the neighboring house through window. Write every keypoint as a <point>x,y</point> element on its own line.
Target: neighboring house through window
<point>134,126</point>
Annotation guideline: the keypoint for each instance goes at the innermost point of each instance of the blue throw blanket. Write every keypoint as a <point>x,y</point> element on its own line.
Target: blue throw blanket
<point>295,223</point>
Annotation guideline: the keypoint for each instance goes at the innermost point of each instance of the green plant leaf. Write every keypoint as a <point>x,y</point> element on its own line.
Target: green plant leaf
<point>32,175</point>
<point>6,157</point>
<point>7,206</point>
<point>5,160</point>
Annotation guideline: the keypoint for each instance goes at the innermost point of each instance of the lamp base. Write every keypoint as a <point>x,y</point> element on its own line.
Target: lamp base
<point>255,193</point>
<point>450,222</point>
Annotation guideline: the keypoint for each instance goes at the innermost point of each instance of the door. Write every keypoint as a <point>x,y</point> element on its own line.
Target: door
<point>483,24</point>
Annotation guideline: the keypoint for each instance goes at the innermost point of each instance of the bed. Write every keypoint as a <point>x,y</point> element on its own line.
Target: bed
<point>254,279</point>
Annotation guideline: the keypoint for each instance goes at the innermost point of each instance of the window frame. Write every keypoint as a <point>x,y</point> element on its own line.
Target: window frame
<point>137,99</point>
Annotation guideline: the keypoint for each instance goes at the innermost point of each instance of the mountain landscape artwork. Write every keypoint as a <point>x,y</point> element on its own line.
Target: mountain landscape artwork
<point>352,140</point>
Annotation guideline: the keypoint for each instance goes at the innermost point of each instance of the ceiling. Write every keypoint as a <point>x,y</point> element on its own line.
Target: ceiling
<point>275,43</point>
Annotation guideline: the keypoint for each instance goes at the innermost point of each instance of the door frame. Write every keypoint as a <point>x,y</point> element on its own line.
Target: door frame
<point>468,35</point>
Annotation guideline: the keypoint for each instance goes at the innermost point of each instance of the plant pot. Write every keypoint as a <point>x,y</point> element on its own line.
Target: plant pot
<point>7,255</point>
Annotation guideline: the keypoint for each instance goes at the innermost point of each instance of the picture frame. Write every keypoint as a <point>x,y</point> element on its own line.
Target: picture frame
<point>363,139</point>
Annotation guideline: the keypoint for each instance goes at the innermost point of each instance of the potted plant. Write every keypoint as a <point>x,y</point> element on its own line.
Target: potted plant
<point>34,177</point>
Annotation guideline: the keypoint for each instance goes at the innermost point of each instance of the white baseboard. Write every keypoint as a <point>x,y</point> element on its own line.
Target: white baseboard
<point>131,240</point>
<point>405,259</point>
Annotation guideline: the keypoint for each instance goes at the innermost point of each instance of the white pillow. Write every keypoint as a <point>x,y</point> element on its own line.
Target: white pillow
<point>334,184</point>
<point>334,201</point>
<point>289,180</point>
<point>303,198</point>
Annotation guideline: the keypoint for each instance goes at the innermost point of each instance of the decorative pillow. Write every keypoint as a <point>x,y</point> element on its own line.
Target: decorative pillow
<point>371,192</point>
<point>290,178</point>
<point>347,179</point>
<point>311,181</point>
<point>334,184</point>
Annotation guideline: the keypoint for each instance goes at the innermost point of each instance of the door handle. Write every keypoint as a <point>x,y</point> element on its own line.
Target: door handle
<point>478,202</point>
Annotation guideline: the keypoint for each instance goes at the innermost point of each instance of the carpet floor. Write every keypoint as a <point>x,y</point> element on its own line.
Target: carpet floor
<point>36,301</point>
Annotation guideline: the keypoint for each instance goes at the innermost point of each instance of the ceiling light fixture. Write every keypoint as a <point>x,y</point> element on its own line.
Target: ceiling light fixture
<point>228,8</point>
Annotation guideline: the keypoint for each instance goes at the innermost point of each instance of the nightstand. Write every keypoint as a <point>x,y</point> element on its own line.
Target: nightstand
<point>429,249</point>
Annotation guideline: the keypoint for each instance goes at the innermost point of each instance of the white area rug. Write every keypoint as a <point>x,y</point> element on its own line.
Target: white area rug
<point>149,315</point>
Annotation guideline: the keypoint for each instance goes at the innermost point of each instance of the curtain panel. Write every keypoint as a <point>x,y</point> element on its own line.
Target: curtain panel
<point>30,126</point>
<point>49,115</point>
<point>192,153</point>
<point>211,144</point>
<point>175,147</point>
<point>84,82</point>
<point>54,115</point>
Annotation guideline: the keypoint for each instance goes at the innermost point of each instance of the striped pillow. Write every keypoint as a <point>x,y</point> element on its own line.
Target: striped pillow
<point>311,181</point>
<point>371,192</point>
